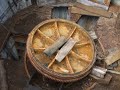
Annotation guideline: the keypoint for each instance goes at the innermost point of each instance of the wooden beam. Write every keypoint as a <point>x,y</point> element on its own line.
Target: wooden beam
<point>93,10</point>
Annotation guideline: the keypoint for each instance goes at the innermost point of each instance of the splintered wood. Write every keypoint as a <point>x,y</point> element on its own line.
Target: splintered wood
<point>66,43</point>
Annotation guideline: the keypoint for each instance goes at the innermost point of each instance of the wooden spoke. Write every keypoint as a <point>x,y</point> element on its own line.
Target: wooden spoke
<point>71,33</point>
<point>82,44</point>
<point>63,70</point>
<point>69,65</point>
<point>81,57</point>
<point>51,63</point>
<point>45,35</point>
<point>56,26</point>
<point>39,49</point>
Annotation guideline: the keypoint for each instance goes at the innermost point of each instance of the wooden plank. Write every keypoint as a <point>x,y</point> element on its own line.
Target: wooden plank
<point>76,10</point>
<point>113,57</point>
<point>94,10</point>
<point>54,47</point>
<point>65,49</point>
<point>51,63</point>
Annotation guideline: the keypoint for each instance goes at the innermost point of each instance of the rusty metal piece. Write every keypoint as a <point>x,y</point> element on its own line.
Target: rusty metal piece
<point>41,67</point>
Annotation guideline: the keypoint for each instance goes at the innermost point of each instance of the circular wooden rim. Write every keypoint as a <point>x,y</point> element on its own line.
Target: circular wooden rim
<point>49,73</point>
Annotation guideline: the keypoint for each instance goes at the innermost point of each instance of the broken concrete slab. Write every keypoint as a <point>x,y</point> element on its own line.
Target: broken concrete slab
<point>113,57</point>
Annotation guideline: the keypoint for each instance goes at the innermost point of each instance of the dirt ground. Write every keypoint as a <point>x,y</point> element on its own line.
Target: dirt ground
<point>25,20</point>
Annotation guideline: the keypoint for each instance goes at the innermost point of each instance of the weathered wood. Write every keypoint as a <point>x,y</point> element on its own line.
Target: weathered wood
<point>76,10</point>
<point>113,57</point>
<point>51,63</point>
<point>54,47</point>
<point>94,10</point>
<point>65,50</point>
<point>3,81</point>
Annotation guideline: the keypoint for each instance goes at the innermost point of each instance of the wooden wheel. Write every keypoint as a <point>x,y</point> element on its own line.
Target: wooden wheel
<point>79,60</point>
